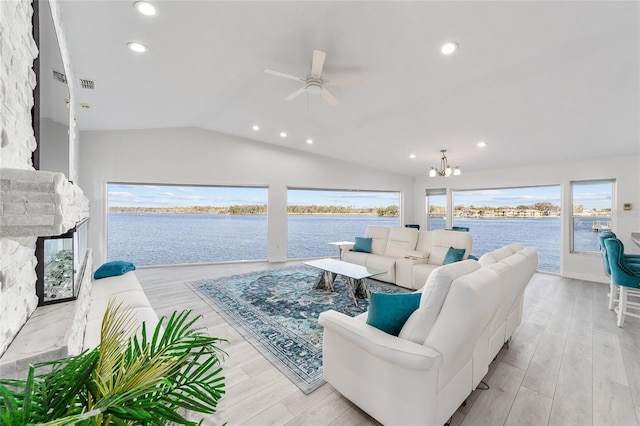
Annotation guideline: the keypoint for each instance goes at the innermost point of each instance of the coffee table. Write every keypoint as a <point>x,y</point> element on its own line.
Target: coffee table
<point>354,274</point>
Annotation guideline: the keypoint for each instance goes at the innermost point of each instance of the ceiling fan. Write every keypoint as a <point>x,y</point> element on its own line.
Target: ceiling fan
<point>314,83</point>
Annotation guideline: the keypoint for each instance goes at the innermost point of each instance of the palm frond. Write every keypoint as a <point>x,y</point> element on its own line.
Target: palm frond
<point>118,325</point>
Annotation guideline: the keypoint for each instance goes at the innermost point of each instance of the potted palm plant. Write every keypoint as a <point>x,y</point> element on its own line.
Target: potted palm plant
<point>128,379</point>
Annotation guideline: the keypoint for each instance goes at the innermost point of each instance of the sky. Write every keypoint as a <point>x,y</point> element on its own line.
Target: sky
<point>125,195</point>
<point>591,196</point>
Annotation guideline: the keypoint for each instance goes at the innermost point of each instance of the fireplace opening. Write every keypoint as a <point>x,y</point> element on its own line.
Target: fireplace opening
<point>61,265</point>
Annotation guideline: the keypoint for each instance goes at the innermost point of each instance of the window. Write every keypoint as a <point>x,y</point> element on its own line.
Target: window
<point>436,209</point>
<point>591,207</point>
<point>500,216</point>
<point>176,224</point>
<point>318,217</point>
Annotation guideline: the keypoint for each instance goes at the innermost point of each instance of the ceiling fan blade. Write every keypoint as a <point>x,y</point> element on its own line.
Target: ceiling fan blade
<point>328,97</point>
<point>343,81</point>
<point>295,94</point>
<point>281,74</point>
<point>317,63</point>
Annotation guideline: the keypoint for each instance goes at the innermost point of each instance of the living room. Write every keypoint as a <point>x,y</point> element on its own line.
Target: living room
<point>147,149</point>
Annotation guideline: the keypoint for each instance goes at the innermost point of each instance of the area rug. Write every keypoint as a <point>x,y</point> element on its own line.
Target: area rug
<point>277,312</point>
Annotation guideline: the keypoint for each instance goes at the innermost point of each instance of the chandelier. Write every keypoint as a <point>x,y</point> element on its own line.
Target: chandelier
<point>445,169</point>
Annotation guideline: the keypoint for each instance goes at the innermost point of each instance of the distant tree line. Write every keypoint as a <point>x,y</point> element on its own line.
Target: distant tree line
<point>262,209</point>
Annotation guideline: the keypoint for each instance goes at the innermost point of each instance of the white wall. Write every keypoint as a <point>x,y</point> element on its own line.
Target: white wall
<point>54,146</point>
<point>625,170</point>
<point>200,157</point>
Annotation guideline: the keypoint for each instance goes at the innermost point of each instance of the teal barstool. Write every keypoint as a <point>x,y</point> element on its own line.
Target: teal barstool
<point>633,259</point>
<point>625,276</point>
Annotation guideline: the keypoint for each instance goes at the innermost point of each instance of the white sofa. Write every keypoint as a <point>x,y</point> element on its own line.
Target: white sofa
<point>444,349</point>
<point>123,288</point>
<point>408,255</point>
<point>515,264</point>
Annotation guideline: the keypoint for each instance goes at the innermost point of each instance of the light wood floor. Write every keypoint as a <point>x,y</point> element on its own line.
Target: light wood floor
<point>568,363</point>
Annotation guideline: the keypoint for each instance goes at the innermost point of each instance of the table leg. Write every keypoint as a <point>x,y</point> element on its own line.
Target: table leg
<point>326,281</point>
<point>362,289</point>
<point>352,286</point>
<point>358,289</point>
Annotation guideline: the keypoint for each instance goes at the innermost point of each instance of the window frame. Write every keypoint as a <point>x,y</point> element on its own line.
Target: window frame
<point>572,217</point>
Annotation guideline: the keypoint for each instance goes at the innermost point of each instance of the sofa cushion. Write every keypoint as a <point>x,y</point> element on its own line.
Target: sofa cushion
<point>453,255</point>
<point>441,240</point>
<point>131,298</point>
<point>499,254</point>
<point>380,235</point>
<point>357,257</point>
<point>401,241</point>
<point>434,293</point>
<point>112,269</point>
<point>363,245</point>
<point>389,312</point>
<point>383,263</point>
<point>113,285</point>
<point>142,314</point>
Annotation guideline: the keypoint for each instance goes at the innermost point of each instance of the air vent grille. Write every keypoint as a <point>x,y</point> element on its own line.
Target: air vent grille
<point>59,76</point>
<point>87,84</point>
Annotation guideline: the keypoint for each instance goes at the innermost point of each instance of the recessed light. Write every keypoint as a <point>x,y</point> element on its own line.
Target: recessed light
<point>309,141</point>
<point>255,127</point>
<point>482,144</point>
<point>449,48</point>
<point>146,8</point>
<point>137,47</point>
<point>412,156</point>
<point>283,134</point>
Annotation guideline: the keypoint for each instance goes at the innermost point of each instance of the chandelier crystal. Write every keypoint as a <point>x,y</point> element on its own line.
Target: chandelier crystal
<point>445,169</point>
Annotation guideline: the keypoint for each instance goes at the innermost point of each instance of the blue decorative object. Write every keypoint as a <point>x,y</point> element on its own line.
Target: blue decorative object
<point>453,255</point>
<point>389,312</point>
<point>460,228</point>
<point>277,312</point>
<point>112,269</point>
<point>363,245</point>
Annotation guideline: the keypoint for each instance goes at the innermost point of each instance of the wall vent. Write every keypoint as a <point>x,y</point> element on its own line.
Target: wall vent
<point>59,76</point>
<point>87,84</point>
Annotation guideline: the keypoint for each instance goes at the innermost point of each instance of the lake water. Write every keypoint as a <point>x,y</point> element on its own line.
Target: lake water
<point>160,239</point>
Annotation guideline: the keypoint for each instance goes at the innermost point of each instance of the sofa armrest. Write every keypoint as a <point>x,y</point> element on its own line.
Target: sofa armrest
<point>347,247</point>
<point>417,254</point>
<point>401,352</point>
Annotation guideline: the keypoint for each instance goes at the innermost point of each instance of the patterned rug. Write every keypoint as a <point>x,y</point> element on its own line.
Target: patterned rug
<point>277,311</point>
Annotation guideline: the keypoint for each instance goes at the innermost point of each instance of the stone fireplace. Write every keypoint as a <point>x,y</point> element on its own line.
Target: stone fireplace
<point>33,203</point>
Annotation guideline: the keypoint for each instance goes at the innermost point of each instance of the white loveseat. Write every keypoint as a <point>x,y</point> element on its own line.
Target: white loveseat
<point>408,255</point>
<point>444,349</point>
<point>123,288</point>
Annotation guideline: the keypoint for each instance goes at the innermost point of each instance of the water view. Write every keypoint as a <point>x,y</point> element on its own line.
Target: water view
<point>159,239</point>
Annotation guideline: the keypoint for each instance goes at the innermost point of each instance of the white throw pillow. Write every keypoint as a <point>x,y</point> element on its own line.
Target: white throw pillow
<point>434,293</point>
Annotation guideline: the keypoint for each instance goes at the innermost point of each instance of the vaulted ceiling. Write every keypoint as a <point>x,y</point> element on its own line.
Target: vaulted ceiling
<point>538,81</point>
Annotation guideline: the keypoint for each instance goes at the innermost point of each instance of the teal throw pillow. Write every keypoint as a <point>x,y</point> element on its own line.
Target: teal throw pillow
<point>389,312</point>
<point>363,245</point>
<point>112,269</point>
<point>453,255</point>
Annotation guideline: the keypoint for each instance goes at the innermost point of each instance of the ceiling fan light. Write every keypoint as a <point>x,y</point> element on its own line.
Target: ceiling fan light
<point>314,89</point>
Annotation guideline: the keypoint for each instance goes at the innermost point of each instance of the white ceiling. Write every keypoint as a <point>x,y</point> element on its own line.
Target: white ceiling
<point>538,81</point>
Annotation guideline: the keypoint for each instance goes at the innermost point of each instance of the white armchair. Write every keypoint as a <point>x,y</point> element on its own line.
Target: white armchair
<point>424,375</point>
